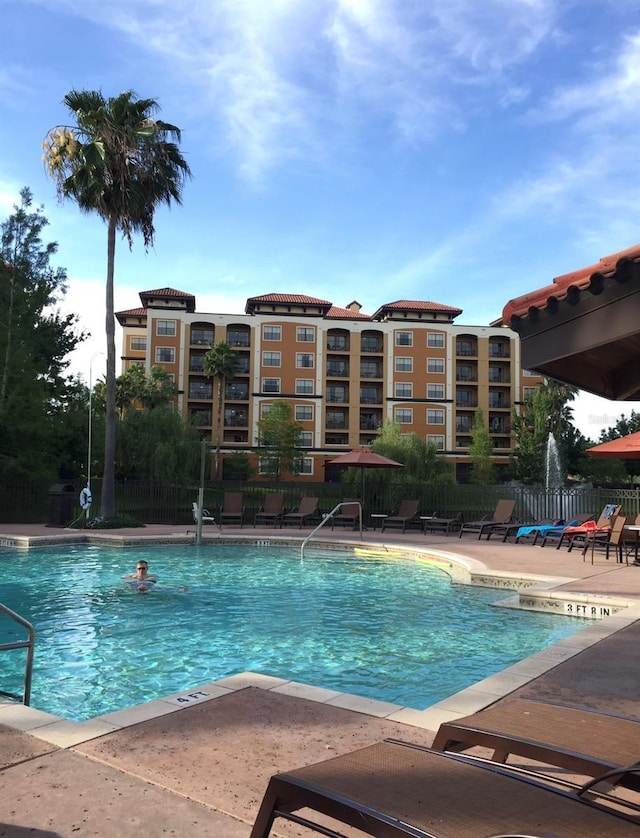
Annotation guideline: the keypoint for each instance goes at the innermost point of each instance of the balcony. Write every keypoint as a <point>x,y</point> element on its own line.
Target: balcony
<point>466,350</point>
<point>238,338</point>
<point>195,363</point>
<point>234,393</point>
<point>199,390</point>
<point>337,343</point>
<point>335,396</point>
<point>496,401</point>
<point>463,427</point>
<point>499,350</point>
<point>370,371</point>
<point>337,370</point>
<point>235,419</point>
<point>368,344</point>
<point>201,337</point>
<point>464,400</point>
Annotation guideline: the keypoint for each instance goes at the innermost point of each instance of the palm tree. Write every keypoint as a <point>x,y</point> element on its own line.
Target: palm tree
<point>122,163</point>
<point>220,364</point>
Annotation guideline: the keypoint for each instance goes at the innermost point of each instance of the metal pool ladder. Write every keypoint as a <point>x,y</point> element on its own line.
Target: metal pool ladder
<point>27,644</point>
<point>326,518</point>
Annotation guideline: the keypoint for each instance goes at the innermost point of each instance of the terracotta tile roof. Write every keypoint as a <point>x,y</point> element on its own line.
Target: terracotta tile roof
<point>292,299</point>
<point>132,312</point>
<point>166,292</point>
<point>418,305</point>
<point>338,313</point>
<point>568,284</point>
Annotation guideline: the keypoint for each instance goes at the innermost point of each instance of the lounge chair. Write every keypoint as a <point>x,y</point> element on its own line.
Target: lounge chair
<point>348,514</point>
<point>407,514</point>
<point>577,741</point>
<point>501,515</point>
<point>207,517</point>
<point>520,529</point>
<point>272,510</point>
<point>579,533</point>
<point>548,530</point>
<point>630,541</point>
<point>434,523</point>
<point>305,512</point>
<point>394,789</point>
<point>232,509</point>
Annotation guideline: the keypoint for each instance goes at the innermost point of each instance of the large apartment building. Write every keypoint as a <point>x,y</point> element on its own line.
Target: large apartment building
<point>343,372</point>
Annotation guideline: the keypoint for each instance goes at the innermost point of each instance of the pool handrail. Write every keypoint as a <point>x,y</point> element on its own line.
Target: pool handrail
<point>27,644</point>
<point>327,517</point>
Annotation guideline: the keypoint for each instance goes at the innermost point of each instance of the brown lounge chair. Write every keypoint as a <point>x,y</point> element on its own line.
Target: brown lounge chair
<point>348,514</point>
<point>232,509</point>
<point>407,514</point>
<point>305,512</point>
<point>272,510</point>
<point>578,741</point>
<point>501,515</point>
<point>394,789</point>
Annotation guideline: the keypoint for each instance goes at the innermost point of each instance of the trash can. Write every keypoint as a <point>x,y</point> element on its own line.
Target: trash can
<point>62,500</point>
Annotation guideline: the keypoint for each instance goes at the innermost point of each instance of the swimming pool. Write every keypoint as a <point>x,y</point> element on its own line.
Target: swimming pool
<point>389,629</point>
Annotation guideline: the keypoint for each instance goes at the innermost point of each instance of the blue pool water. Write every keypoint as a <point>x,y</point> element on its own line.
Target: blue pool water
<point>388,629</point>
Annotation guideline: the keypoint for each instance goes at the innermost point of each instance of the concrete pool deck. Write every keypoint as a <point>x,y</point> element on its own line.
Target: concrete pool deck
<point>198,763</point>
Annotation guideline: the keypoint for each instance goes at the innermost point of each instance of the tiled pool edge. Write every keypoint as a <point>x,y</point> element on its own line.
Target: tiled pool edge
<point>67,734</point>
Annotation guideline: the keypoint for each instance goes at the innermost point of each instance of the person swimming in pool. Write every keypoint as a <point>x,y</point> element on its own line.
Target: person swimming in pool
<point>141,581</point>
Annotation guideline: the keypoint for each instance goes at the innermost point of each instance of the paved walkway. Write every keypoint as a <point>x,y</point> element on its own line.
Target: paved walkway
<point>201,769</point>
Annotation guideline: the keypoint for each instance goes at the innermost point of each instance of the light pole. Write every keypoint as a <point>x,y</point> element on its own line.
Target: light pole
<point>93,357</point>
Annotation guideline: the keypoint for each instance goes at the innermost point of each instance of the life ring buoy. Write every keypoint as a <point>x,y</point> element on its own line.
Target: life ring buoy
<point>86,498</point>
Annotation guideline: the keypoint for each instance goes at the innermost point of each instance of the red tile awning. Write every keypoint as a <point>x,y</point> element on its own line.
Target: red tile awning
<point>584,328</point>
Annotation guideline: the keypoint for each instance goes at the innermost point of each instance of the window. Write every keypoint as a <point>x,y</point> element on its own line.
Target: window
<point>271,359</point>
<point>337,394</point>
<point>305,334</point>
<point>165,355</point>
<point>403,415</point>
<point>304,386</point>
<point>531,373</point>
<point>306,465</point>
<point>304,413</point>
<point>272,333</point>
<point>306,439</point>
<point>264,410</point>
<point>435,340</point>
<point>437,440</point>
<point>435,417</point>
<point>435,391</point>
<point>201,337</point>
<point>305,360</point>
<point>270,385</point>
<point>138,344</point>
<point>403,391</point>
<point>404,338</point>
<point>528,392</point>
<point>166,327</point>
<point>404,364</point>
<point>435,365</point>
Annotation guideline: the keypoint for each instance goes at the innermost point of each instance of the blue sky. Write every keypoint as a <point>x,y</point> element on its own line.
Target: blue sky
<point>457,151</point>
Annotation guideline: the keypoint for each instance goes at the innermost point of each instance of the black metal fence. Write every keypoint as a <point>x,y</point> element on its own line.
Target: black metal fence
<point>166,502</point>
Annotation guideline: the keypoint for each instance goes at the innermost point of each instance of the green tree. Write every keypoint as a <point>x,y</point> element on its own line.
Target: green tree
<point>35,340</point>
<point>421,460</point>
<point>483,470</point>
<point>545,411</point>
<point>279,441</point>
<point>219,363</point>
<point>157,444</point>
<point>122,163</point>
<point>149,391</point>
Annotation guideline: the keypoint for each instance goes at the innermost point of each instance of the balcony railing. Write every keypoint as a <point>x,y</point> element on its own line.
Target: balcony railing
<point>337,371</point>
<point>337,344</point>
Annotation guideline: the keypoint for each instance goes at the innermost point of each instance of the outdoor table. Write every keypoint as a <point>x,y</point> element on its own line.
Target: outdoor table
<point>636,529</point>
<point>374,518</point>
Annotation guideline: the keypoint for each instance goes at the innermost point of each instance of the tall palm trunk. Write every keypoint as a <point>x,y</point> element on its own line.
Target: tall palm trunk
<point>219,382</point>
<point>108,504</point>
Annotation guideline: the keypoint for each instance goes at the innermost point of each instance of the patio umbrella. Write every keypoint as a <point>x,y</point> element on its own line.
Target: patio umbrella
<point>363,458</point>
<point>624,448</point>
